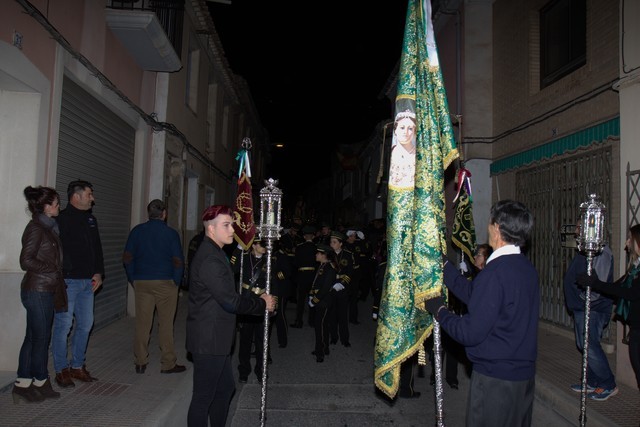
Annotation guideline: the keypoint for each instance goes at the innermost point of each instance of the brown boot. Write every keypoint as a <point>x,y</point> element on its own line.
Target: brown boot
<point>46,391</point>
<point>26,394</point>
<point>64,378</point>
<point>82,374</point>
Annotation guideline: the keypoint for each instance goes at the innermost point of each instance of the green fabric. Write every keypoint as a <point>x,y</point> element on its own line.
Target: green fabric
<point>463,233</point>
<point>623,306</point>
<point>416,222</point>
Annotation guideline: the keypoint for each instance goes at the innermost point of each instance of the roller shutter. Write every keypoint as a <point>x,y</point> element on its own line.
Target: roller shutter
<point>97,146</point>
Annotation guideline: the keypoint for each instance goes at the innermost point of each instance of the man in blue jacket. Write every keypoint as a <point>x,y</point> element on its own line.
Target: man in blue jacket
<point>154,263</point>
<point>500,329</point>
<point>601,383</point>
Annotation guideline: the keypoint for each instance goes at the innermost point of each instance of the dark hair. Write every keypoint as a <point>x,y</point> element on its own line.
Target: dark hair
<point>515,221</point>
<point>485,248</point>
<point>634,232</point>
<point>39,196</point>
<point>76,187</point>
<point>155,208</point>
<point>212,212</point>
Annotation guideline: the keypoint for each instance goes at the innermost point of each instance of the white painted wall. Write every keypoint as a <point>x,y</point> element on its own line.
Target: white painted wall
<point>24,104</point>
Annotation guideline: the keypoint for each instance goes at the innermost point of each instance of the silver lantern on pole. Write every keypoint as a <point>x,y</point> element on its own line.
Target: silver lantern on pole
<point>590,239</point>
<point>269,231</point>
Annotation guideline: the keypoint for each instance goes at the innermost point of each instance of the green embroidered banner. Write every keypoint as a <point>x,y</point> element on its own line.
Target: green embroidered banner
<point>423,147</point>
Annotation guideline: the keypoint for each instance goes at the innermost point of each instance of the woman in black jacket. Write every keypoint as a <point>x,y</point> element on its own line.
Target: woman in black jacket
<point>627,288</point>
<point>42,289</point>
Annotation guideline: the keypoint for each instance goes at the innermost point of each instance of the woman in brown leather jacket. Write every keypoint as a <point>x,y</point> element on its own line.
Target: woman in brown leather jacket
<point>41,291</point>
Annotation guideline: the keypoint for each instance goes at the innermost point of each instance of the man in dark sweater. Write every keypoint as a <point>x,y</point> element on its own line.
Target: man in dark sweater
<point>83,271</point>
<point>154,263</point>
<point>500,330</point>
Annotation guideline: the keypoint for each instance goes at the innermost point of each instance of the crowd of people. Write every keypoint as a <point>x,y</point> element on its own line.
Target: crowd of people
<point>327,273</point>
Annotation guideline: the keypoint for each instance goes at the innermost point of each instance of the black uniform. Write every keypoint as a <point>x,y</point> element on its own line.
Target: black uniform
<point>320,299</point>
<point>339,320</point>
<point>288,243</point>
<point>254,280</point>
<point>305,270</point>
<point>354,287</point>
<point>281,288</point>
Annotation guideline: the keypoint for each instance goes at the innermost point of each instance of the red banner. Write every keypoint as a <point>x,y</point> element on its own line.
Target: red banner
<point>245,228</point>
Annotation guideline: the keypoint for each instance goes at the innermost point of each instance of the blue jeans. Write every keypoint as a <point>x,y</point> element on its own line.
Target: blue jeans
<point>80,296</point>
<point>34,353</point>
<point>598,371</point>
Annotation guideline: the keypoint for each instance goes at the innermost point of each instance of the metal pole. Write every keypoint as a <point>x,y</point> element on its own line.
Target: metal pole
<point>585,344</point>
<point>265,340</point>
<point>437,360</point>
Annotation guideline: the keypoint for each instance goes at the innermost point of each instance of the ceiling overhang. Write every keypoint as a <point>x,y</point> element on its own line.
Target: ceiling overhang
<point>142,35</point>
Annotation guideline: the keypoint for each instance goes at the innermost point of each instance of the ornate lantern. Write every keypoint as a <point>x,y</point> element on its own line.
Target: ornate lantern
<point>590,241</point>
<point>270,211</point>
<point>269,230</point>
<point>590,237</point>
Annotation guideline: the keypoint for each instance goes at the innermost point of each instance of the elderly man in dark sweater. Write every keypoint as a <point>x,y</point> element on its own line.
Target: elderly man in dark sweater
<point>154,263</point>
<point>500,330</point>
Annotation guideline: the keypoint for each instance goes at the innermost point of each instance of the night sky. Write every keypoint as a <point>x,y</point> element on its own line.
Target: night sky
<point>316,72</point>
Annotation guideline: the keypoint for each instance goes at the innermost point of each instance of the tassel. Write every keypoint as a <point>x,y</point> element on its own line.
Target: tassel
<point>422,357</point>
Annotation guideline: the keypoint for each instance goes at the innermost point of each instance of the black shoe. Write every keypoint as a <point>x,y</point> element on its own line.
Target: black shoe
<point>296,325</point>
<point>319,359</point>
<point>141,368</point>
<point>334,341</point>
<point>269,360</point>
<point>354,322</point>
<point>453,384</point>
<point>282,345</point>
<point>346,344</point>
<point>243,380</point>
<point>432,381</point>
<point>175,370</point>
<point>326,351</point>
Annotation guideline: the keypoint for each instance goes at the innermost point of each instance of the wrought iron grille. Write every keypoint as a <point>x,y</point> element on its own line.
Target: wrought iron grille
<point>553,191</point>
<point>633,197</point>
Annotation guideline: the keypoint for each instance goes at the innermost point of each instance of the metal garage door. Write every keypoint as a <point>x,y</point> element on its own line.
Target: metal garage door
<point>97,146</point>
<point>553,191</point>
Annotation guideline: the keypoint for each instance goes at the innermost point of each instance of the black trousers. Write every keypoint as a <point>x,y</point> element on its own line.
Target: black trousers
<point>303,288</point>
<point>251,333</point>
<point>339,316</point>
<point>213,388</point>
<point>496,402</point>
<point>321,326</point>
<point>281,321</point>
<point>634,352</point>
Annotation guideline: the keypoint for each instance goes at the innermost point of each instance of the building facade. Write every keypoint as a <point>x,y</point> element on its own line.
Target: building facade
<point>140,101</point>
<point>543,96</point>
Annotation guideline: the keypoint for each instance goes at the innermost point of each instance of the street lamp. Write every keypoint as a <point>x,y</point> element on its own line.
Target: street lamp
<point>590,240</point>
<point>269,230</point>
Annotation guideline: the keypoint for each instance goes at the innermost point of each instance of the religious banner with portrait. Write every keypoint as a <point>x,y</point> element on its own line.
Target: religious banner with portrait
<point>423,147</point>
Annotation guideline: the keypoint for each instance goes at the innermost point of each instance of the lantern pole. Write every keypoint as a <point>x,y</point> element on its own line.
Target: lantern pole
<point>269,230</point>
<point>590,241</point>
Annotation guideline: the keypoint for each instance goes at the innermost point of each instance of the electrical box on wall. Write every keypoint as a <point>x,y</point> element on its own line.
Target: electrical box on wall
<point>568,236</point>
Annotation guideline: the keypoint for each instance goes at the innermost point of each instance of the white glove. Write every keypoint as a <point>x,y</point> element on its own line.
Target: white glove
<point>240,247</point>
<point>338,287</point>
<point>311,304</point>
<point>463,267</point>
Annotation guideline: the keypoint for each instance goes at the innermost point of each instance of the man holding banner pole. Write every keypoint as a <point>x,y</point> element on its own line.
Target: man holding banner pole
<point>500,329</point>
